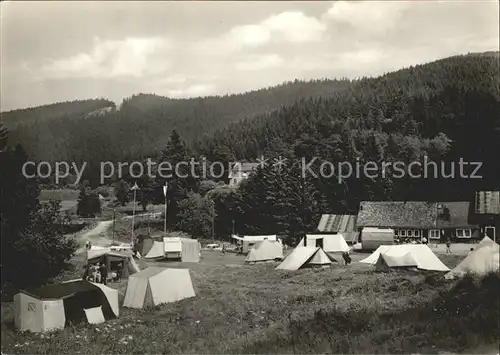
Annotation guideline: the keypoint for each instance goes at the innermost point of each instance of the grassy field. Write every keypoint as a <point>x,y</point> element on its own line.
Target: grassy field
<point>68,198</point>
<point>242,308</point>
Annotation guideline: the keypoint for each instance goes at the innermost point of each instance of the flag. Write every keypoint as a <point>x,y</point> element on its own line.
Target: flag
<point>165,189</point>
<point>135,187</point>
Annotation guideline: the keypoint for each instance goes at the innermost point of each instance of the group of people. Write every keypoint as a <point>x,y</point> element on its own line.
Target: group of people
<point>411,241</point>
<point>98,273</point>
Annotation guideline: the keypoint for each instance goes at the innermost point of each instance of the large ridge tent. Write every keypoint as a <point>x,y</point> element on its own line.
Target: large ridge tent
<point>185,249</point>
<point>54,306</point>
<point>154,286</point>
<point>111,259</point>
<point>248,241</point>
<point>331,243</point>
<point>421,253</point>
<point>265,251</point>
<point>485,258</point>
<point>302,257</point>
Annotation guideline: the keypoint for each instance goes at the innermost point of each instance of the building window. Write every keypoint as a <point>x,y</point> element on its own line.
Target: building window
<point>409,233</point>
<point>416,233</point>
<point>435,234</point>
<point>464,233</point>
<point>396,232</point>
<point>403,233</point>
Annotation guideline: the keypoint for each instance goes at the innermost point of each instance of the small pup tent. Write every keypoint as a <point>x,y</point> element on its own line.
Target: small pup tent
<point>111,259</point>
<point>265,251</point>
<point>386,262</point>
<point>302,257</point>
<point>421,253</point>
<point>154,286</point>
<point>331,243</point>
<point>485,258</point>
<point>54,306</point>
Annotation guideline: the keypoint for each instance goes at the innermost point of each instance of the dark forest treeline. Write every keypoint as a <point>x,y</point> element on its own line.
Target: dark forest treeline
<point>144,122</point>
<point>446,110</point>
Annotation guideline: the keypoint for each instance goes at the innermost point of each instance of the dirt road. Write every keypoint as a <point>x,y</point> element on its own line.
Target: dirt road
<point>97,236</point>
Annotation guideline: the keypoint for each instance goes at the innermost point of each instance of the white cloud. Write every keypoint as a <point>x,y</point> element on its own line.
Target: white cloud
<point>294,26</point>
<point>131,57</point>
<point>290,26</point>
<point>192,91</point>
<point>259,62</point>
<point>370,16</point>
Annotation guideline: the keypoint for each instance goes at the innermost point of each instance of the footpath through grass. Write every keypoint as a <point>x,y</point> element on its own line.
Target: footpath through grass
<point>255,309</point>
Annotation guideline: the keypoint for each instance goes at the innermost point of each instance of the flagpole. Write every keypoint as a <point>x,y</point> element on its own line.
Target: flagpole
<point>135,187</point>
<point>165,194</point>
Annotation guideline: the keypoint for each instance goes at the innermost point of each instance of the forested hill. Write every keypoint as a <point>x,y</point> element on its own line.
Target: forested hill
<point>448,109</point>
<point>41,114</point>
<point>143,123</point>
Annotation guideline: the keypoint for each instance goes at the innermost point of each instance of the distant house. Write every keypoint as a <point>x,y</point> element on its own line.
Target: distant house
<point>100,112</point>
<point>487,212</point>
<point>239,172</point>
<point>406,219</point>
<point>416,220</point>
<point>339,224</point>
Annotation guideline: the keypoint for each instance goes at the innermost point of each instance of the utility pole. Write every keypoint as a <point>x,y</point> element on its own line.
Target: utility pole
<point>134,188</point>
<point>213,222</point>
<point>233,226</point>
<point>114,220</point>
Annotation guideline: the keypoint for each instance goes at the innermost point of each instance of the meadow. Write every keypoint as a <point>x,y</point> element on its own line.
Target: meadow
<point>242,308</point>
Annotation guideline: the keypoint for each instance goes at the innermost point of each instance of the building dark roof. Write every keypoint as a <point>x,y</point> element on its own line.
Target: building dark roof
<point>397,214</point>
<point>453,215</point>
<point>337,223</point>
<point>61,290</point>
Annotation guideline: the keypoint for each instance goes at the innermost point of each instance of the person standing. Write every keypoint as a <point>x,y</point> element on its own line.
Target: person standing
<point>346,257</point>
<point>448,246</point>
<point>119,272</point>
<point>424,240</point>
<point>104,273</point>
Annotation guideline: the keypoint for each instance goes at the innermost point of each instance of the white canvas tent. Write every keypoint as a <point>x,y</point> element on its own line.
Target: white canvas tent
<point>187,250</point>
<point>485,258</point>
<point>156,251</point>
<point>265,251</point>
<point>248,241</point>
<point>154,286</point>
<point>302,257</point>
<point>385,261</point>
<point>52,307</point>
<point>331,243</point>
<point>421,253</point>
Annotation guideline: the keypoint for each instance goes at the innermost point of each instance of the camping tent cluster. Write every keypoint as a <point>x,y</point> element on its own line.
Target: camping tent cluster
<point>185,249</point>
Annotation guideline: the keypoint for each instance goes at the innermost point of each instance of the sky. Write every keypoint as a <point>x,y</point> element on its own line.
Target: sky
<point>74,50</point>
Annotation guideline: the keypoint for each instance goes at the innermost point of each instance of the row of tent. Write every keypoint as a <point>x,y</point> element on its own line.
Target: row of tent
<point>485,258</point>
<point>184,249</point>
<point>55,306</point>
